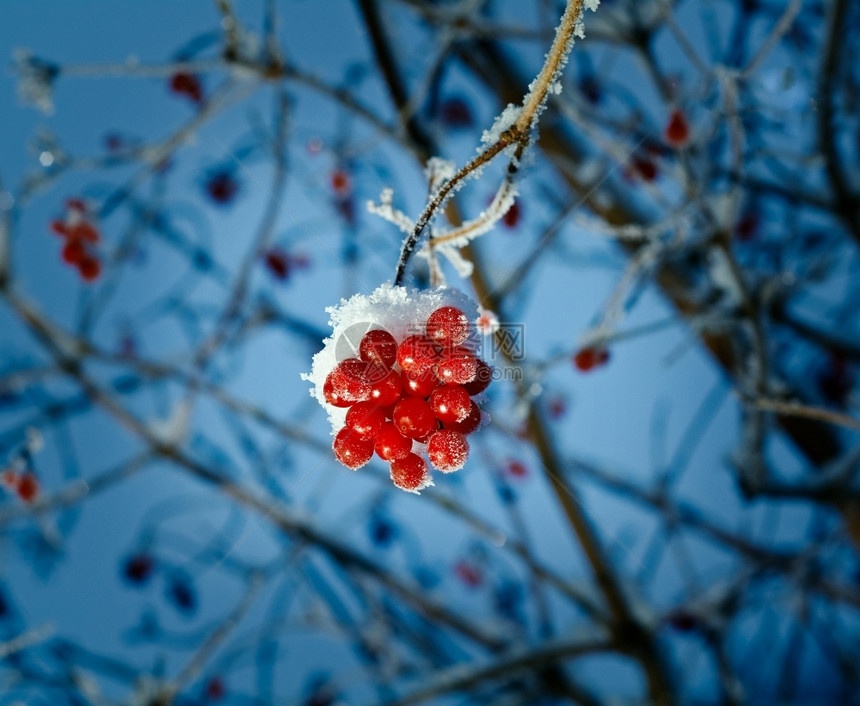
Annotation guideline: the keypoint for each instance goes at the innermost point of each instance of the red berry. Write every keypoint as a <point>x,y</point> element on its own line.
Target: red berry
<point>215,690</point>
<point>417,354</point>
<point>113,142</point>
<point>410,472</point>
<point>516,469</point>
<point>138,568</point>
<point>341,184</point>
<point>9,478</point>
<point>747,227</point>
<point>677,131</point>
<point>386,391</point>
<point>332,397</point>
<point>89,267</point>
<point>590,358</point>
<point>349,382</point>
<point>457,366</point>
<point>379,347</point>
<point>365,419</point>
<point>682,620</point>
<point>414,418</point>
<point>644,167</point>
<point>278,263</point>
<point>222,186</point>
<point>73,252</point>
<point>420,385</point>
<point>60,228</point>
<point>390,444</point>
<point>351,450</point>
<point>469,424</point>
<point>450,403</point>
<point>448,326</point>
<point>448,450</point>
<point>483,377</point>
<point>187,84</point>
<point>469,574</point>
<point>557,407</point>
<point>76,205</point>
<point>28,487</point>
<point>512,217</point>
<point>84,231</point>
<point>456,113</point>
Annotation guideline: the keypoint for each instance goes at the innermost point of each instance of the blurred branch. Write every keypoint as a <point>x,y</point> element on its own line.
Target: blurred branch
<point>467,677</point>
<point>801,410</point>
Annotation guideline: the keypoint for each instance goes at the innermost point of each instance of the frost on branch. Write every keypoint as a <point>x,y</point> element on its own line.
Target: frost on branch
<point>385,209</point>
<point>450,242</point>
<point>35,80</point>
<point>503,122</point>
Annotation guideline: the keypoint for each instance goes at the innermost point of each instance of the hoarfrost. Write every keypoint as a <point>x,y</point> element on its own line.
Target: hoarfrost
<point>502,122</point>
<point>385,210</point>
<point>173,429</point>
<point>35,80</point>
<point>438,171</point>
<point>722,275</point>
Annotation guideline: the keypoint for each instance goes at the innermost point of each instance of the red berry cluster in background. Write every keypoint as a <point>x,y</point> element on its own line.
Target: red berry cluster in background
<point>419,389</point>
<point>80,237</point>
<point>25,485</point>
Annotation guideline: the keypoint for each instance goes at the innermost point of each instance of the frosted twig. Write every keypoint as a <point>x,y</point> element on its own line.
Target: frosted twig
<point>26,640</point>
<point>518,132</point>
<point>779,29</point>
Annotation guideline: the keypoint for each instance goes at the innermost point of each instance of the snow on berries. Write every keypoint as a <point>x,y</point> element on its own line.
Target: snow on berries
<point>398,377</point>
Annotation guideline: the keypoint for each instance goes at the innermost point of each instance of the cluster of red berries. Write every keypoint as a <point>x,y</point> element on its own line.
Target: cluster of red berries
<point>81,237</point>
<point>25,485</point>
<point>419,389</point>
